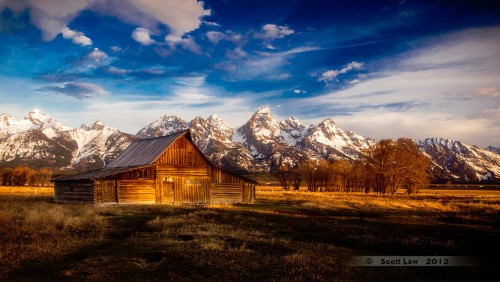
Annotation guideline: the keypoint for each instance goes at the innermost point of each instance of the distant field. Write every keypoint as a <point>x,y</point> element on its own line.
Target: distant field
<point>31,190</point>
<point>283,236</point>
<point>470,190</point>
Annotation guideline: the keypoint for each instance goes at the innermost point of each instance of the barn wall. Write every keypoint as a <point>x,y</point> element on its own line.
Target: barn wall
<point>230,188</point>
<point>182,153</point>
<point>74,191</point>
<point>98,192</point>
<point>136,191</point>
<point>191,190</point>
<point>185,166</point>
<point>139,173</point>
<point>226,192</point>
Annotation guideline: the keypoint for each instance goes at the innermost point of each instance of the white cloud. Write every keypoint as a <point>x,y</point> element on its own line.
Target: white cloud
<point>76,36</point>
<point>187,43</point>
<point>269,46</point>
<point>284,76</point>
<point>190,44</point>
<point>97,55</point>
<point>118,71</point>
<point>211,23</point>
<point>236,53</point>
<point>115,49</point>
<point>265,64</point>
<point>154,71</point>
<point>143,36</point>
<point>51,17</point>
<point>190,97</point>
<point>181,16</point>
<point>271,32</point>
<point>351,66</point>
<point>330,75</point>
<point>215,36</point>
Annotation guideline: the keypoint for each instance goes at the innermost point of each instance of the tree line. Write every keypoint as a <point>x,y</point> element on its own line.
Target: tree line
<point>22,175</point>
<point>383,168</point>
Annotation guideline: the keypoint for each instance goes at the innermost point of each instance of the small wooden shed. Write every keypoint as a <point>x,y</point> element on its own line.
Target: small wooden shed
<point>168,169</point>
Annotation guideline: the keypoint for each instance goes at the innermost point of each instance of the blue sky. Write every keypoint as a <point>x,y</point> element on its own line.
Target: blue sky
<point>384,69</point>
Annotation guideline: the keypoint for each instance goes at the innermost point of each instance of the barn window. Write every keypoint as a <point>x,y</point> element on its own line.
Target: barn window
<point>190,182</point>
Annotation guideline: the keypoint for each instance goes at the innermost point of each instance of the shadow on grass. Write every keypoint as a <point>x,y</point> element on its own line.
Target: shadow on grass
<point>273,240</point>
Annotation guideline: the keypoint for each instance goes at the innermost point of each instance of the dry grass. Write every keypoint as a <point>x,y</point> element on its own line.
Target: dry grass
<point>283,236</point>
<point>33,229</point>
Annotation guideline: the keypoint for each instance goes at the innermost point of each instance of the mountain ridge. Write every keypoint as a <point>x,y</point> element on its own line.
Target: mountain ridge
<point>259,145</point>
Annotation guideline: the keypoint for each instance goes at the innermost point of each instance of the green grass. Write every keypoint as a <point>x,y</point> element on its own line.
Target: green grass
<point>283,236</point>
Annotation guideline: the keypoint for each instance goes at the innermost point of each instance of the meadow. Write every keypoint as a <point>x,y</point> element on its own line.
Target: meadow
<point>283,236</point>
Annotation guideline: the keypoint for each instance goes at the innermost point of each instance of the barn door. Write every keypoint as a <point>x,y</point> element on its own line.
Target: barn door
<point>167,192</point>
<point>109,191</point>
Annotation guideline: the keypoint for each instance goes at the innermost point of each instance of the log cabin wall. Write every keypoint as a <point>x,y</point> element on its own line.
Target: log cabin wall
<point>74,191</point>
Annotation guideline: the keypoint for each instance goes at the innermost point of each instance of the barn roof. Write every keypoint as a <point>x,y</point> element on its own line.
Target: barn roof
<point>145,151</point>
<point>95,174</point>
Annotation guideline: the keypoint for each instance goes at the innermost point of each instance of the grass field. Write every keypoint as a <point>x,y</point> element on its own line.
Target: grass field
<point>283,236</point>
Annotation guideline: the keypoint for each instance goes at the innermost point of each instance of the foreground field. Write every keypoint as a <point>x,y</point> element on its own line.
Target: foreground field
<point>283,236</point>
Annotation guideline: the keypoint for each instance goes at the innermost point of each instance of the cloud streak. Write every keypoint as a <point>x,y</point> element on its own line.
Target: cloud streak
<point>331,75</point>
<point>78,90</point>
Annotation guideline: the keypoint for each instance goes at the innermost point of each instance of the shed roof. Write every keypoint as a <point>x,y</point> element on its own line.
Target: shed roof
<point>95,174</point>
<point>145,151</point>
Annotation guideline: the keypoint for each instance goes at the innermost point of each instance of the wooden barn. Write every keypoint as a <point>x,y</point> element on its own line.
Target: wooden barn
<point>168,169</point>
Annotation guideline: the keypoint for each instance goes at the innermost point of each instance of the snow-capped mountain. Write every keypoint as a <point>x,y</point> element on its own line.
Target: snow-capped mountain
<point>329,141</point>
<point>39,140</point>
<point>163,126</point>
<point>260,145</point>
<point>461,161</point>
<point>264,143</point>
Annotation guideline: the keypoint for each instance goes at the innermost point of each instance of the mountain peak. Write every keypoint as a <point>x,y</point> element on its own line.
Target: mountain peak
<point>215,120</point>
<point>263,110</point>
<point>164,125</point>
<point>98,125</point>
<point>37,117</point>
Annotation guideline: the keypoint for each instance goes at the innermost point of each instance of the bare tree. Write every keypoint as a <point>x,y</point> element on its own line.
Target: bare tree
<point>397,164</point>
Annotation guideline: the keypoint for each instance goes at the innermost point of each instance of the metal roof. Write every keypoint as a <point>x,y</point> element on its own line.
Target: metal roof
<point>95,174</point>
<point>145,151</point>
